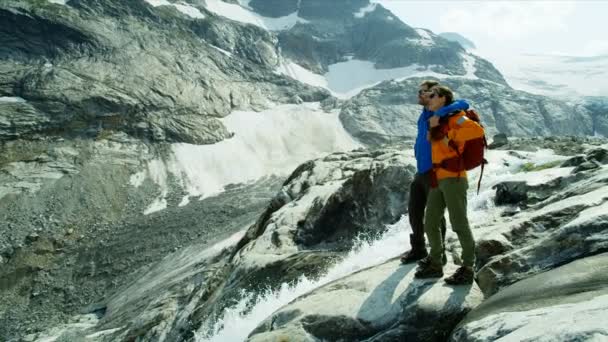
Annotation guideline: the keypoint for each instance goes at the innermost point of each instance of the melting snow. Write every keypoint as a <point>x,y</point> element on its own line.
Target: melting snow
<point>425,40</point>
<point>243,14</point>
<point>302,74</point>
<point>227,53</point>
<point>12,99</point>
<point>189,10</point>
<point>183,7</point>
<point>347,79</point>
<point>274,141</point>
<point>367,9</point>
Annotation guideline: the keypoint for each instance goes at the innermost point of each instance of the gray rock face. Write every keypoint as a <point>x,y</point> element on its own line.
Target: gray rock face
<point>388,111</point>
<point>598,106</point>
<point>323,206</point>
<point>568,224</point>
<point>383,303</point>
<point>274,8</point>
<point>127,66</point>
<point>540,306</point>
<point>498,140</point>
<point>337,29</point>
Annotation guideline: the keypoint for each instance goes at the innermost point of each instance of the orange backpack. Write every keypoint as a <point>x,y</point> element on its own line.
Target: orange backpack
<point>472,155</point>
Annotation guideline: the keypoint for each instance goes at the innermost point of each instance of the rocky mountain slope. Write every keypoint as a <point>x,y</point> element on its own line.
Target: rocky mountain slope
<point>548,245</point>
<point>130,130</point>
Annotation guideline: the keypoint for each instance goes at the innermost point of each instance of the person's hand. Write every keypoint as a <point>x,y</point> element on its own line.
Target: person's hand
<point>446,141</point>
<point>434,121</point>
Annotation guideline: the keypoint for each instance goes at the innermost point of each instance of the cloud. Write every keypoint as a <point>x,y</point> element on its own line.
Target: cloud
<point>508,20</point>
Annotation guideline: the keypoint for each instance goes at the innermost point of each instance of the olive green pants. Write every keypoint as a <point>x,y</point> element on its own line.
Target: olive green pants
<point>451,193</point>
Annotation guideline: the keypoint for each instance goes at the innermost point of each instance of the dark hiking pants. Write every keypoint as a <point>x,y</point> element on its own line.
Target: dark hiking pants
<point>419,192</point>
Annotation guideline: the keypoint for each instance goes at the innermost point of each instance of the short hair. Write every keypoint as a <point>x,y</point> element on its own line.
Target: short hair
<point>443,91</point>
<point>429,84</point>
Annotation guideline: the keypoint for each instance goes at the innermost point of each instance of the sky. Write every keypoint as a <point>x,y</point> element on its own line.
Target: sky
<point>574,28</point>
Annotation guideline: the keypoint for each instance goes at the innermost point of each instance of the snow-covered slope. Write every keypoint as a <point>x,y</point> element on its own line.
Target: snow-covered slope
<point>347,79</point>
<point>271,142</point>
<point>558,76</point>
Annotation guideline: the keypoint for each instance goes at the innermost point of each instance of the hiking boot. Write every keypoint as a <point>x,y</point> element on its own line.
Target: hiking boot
<point>429,270</point>
<point>426,260</point>
<point>413,255</point>
<point>463,276</point>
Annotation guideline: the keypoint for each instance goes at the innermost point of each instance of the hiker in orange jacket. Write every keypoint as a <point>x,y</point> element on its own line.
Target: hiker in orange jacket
<point>448,189</point>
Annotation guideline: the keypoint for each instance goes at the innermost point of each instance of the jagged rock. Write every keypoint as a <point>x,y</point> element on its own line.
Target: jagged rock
<point>323,206</point>
<point>388,112</point>
<point>586,166</point>
<point>498,140</point>
<point>382,303</point>
<point>599,155</point>
<point>574,161</point>
<point>570,224</point>
<point>542,306</point>
<point>158,83</point>
<point>510,193</point>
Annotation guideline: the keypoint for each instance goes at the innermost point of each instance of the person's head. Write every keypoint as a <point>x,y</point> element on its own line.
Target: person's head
<point>424,90</point>
<point>440,96</point>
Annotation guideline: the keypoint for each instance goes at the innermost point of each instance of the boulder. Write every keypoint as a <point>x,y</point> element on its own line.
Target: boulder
<point>568,303</point>
<point>381,303</point>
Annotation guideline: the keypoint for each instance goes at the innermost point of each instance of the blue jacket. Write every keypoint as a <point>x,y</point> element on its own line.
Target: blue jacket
<point>422,147</point>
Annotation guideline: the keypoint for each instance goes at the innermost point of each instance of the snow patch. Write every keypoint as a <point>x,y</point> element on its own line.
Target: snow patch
<point>157,3</point>
<point>60,2</point>
<point>425,40</point>
<point>302,74</point>
<point>271,142</point>
<point>189,10</point>
<point>158,205</point>
<point>347,79</point>
<point>157,171</point>
<point>227,53</point>
<point>367,9</point>
<point>242,13</point>
<point>274,141</point>
<point>469,65</point>
<point>12,99</point>
<point>564,77</point>
<point>137,179</point>
<point>183,7</point>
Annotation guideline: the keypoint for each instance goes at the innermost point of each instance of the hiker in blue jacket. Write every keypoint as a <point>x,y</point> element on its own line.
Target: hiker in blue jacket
<point>420,186</point>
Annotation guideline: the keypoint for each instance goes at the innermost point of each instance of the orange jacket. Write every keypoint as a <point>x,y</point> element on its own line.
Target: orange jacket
<point>460,129</point>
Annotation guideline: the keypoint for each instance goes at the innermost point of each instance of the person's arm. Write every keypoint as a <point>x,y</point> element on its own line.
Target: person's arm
<point>457,105</point>
<point>465,129</point>
<point>443,111</point>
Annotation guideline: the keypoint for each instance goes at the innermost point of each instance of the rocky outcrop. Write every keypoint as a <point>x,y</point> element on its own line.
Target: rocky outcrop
<point>336,31</point>
<point>598,106</point>
<point>389,111</point>
<point>314,219</point>
<point>567,222</point>
<point>544,306</point>
<point>383,303</point>
<point>131,67</point>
